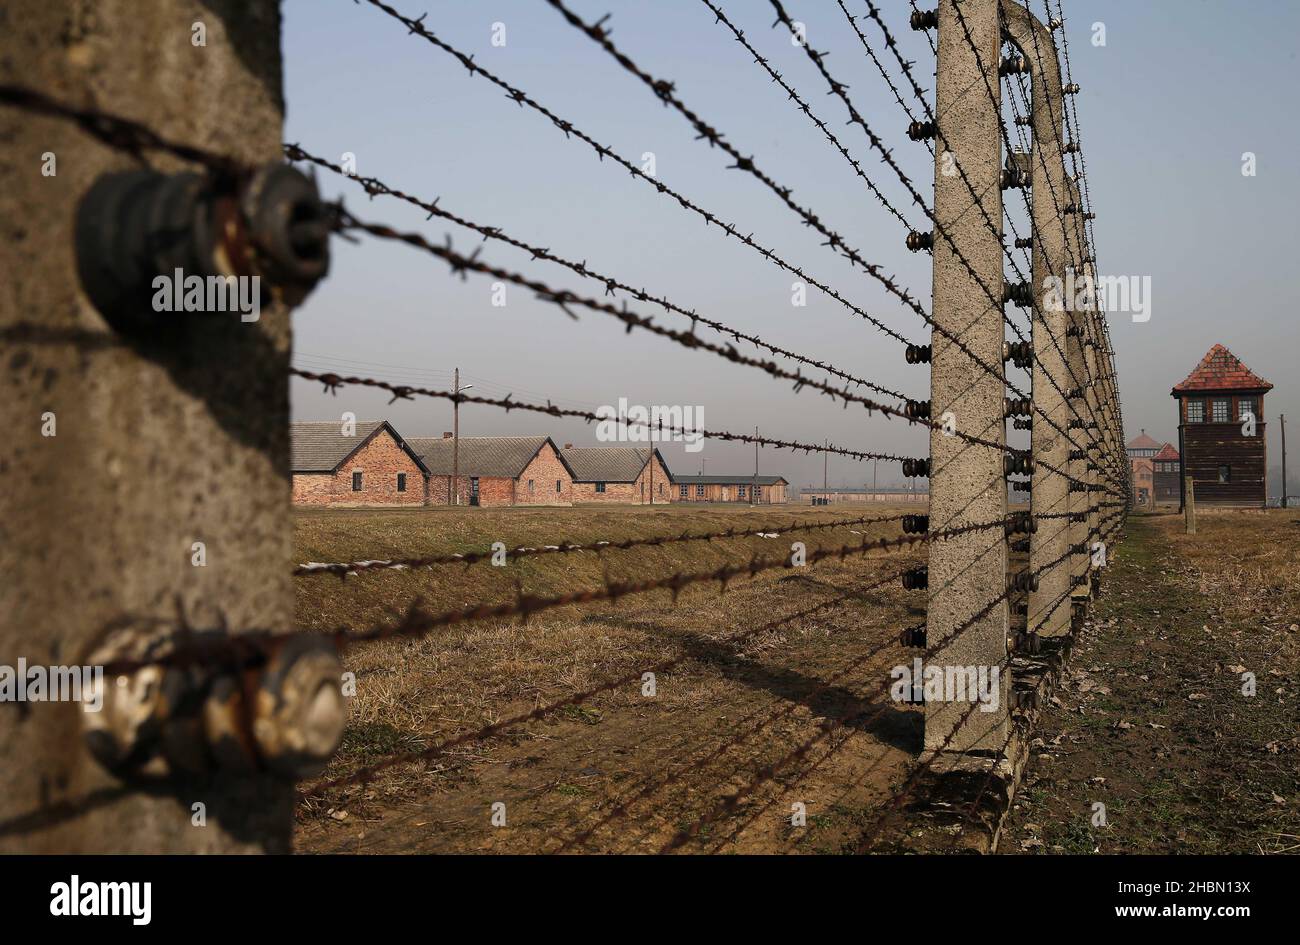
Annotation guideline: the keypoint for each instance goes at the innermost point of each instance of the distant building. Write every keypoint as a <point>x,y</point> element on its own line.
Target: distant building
<point>1141,457</point>
<point>496,470</point>
<point>619,475</point>
<point>761,490</point>
<point>371,466</point>
<point>838,495</point>
<point>1221,431</point>
<point>1167,476</point>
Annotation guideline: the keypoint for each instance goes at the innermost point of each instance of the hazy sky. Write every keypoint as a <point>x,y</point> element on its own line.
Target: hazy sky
<point>1180,90</point>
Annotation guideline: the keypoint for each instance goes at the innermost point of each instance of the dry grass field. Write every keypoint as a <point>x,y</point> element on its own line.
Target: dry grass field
<point>1151,719</point>
<point>713,760</point>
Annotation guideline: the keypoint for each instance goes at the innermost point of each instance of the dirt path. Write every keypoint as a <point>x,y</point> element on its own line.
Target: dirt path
<point>714,763</point>
<point>1151,720</point>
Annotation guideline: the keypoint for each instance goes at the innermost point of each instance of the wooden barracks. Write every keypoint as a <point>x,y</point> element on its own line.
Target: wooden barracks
<point>1223,453</point>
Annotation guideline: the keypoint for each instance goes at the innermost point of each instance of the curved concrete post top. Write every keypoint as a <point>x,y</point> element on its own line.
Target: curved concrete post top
<point>1034,40</point>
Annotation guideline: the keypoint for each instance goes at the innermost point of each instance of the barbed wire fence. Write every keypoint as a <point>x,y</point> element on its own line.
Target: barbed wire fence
<point>997,581</point>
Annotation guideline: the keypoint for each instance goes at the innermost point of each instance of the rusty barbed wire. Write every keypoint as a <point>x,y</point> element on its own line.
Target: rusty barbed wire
<point>772,770</point>
<point>1076,157</point>
<point>665,92</point>
<point>906,67</point>
<point>564,299</point>
<point>189,647</point>
<point>730,644</point>
<point>418,623</point>
<point>1111,472</point>
<point>839,89</point>
<point>374,186</point>
<point>1087,250</point>
<point>803,106</point>
<point>775,530</point>
<point>880,66</point>
<point>332,382</point>
<point>521,98</point>
<point>366,774</point>
<point>622,804</point>
<point>416,26</point>
<point>1035,308</point>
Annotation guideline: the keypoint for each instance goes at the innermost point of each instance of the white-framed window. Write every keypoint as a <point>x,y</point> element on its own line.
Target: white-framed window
<point>600,487</point>
<point>1196,411</point>
<point>740,492</point>
<point>685,492</point>
<point>1246,408</point>
<point>699,491</point>
<point>1219,410</point>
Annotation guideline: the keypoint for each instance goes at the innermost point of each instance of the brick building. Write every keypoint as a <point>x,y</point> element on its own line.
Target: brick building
<point>619,474</point>
<point>1141,455</point>
<point>497,470</point>
<point>374,467</point>
<point>767,490</point>
<point>1221,431</point>
<point>1167,476</point>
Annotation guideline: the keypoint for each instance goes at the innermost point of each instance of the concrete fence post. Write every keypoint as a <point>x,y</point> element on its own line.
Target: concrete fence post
<point>1049,492</point>
<point>967,481</point>
<point>1189,507</point>
<point>1079,319</point>
<point>145,478</point>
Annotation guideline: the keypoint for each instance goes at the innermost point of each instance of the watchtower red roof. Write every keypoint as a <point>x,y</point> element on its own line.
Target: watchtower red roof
<point>1144,442</point>
<point>1221,370</point>
<point>1167,453</point>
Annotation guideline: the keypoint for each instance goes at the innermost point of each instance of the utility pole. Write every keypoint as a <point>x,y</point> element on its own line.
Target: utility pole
<point>453,497</point>
<point>755,485</point>
<point>1282,419</point>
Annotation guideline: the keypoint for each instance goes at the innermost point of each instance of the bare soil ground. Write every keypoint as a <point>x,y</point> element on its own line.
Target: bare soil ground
<point>1151,720</point>
<point>734,736</point>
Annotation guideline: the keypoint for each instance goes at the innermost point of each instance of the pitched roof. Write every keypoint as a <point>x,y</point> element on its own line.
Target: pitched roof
<point>495,457</point>
<point>1220,369</point>
<point>607,463</point>
<point>1167,453</point>
<point>727,480</point>
<point>1144,442</point>
<point>320,446</point>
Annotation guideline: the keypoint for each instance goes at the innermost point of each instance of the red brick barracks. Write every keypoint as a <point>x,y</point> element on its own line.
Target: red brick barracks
<point>376,467</point>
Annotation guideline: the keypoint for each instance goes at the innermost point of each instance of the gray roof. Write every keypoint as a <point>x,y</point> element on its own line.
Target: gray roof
<point>499,457</point>
<point>320,446</point>
<point>727,480</point>
<point>607,463</point>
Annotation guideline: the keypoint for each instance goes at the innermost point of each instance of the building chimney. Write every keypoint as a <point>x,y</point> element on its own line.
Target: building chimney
<point>446,436</point>
<point>568,446</point>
